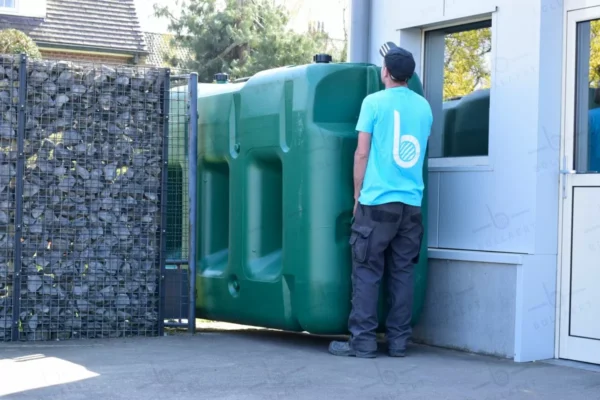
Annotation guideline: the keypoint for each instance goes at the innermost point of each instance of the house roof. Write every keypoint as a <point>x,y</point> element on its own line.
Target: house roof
<point>100,25</point>
<point>159,47</point>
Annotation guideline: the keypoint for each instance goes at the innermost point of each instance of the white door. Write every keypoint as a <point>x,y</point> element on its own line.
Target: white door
<point>579,319</point>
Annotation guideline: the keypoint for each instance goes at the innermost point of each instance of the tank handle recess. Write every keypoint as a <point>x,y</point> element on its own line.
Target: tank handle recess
<point>221,77</point>
<point>240,80</point>
<point>322,58</point>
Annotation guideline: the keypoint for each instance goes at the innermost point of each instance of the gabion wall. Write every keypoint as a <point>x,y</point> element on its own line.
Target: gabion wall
<point>81,181</point>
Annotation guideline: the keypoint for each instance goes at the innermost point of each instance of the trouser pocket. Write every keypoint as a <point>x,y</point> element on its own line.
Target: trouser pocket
<point>417,256</point>
<point>360,240</point>
<point>416,220</point>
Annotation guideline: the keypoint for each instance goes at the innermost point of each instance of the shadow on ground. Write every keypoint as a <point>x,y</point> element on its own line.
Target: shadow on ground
<point>266,364</point>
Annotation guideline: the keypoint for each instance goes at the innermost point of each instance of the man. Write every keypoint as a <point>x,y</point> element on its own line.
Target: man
<point>394,127</point>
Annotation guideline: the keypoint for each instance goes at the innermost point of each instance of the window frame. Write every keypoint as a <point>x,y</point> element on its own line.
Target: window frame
<point>473,163</point>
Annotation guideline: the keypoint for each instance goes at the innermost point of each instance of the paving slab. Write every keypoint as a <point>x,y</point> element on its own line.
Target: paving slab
<point>248,364</point>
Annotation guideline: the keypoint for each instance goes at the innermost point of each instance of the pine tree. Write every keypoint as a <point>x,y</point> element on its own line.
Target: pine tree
<point>239,37</point>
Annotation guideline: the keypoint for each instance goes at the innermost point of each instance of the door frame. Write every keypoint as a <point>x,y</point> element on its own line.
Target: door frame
<point>566,346</point>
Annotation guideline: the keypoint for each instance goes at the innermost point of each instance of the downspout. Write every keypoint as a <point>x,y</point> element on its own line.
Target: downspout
<point>360,19</point>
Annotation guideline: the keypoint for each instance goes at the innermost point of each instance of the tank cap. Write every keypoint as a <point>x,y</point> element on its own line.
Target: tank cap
<point>221,77</point>
<point>322,58</point>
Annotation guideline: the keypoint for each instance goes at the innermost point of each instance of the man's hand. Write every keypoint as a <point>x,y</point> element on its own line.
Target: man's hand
<point>355,205</point>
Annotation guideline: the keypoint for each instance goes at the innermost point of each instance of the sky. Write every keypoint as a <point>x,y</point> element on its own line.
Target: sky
<point>327,11</point>
<point>148,22</point>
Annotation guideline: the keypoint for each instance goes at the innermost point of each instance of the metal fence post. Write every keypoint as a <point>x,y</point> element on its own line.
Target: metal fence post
<point>19,196</point>
<point>193,165</point>
<point>164,183</point>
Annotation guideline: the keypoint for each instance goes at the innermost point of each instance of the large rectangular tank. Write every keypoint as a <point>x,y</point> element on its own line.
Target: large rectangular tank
<point>275,198</point>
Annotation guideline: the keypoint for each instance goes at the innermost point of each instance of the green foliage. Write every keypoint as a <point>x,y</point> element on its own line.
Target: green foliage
<point>13,41</point>
<point>465,69</point>
<point>594,53</point>
<point>239,37</point>
<point>168,52</point>
<point>343,57</point>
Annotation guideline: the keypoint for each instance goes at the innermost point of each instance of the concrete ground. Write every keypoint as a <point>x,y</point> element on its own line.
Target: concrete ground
<point>261,364</point>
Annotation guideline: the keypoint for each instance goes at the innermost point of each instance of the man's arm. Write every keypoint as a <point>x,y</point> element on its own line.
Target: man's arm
<point>365,126</point>
<point>361,158</point>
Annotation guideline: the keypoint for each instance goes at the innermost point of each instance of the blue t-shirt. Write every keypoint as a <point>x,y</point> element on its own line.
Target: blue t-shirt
<point>399,121</point>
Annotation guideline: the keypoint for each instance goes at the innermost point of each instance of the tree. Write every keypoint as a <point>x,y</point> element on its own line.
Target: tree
<point>594,76</point>
<point>339,47</point>
<point>344,52</point>
<point>465,69</point>
<point>13,41</point>
<point>240,37</point>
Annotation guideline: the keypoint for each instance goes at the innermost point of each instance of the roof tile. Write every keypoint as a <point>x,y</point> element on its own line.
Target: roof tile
<point>159,47</point>
<point>98,24</point>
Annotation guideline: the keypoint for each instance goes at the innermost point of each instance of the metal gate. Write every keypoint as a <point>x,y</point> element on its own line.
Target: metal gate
<point>180,250</point>
<point>84,197</point>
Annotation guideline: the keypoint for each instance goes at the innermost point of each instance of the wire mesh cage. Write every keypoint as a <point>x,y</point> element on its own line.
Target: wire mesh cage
<point>84,201</point>
<point>11,74</point>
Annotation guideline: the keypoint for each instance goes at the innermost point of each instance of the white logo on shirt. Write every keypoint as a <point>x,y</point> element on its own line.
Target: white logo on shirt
<point>406,147</point>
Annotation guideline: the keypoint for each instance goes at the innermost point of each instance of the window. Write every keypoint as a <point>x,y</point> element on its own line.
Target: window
<point>7,3</point>
<point>587,94</point>
<point>457,79</point>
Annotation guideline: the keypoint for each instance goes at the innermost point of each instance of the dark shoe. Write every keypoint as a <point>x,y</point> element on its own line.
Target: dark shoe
<point>396,349</point>
<point>344,349</point>
<point>397,352</point>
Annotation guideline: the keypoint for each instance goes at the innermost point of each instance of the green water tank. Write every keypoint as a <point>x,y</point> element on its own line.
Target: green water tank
<point>275,198</point>
<point>449,115</point>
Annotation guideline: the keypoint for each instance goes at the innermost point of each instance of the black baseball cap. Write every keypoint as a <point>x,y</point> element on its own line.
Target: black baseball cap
<point>399,62</point>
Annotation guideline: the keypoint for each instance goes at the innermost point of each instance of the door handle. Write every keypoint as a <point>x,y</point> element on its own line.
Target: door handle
<point>565,171</point>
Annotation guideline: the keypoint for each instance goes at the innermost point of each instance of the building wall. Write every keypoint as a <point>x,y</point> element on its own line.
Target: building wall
<point>493,221</point>
<point>87,57</point>
<point>458,307</point>
<point>474,205</point>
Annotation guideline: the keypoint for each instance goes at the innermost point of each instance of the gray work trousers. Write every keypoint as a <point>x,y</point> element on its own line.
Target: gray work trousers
<point>386,236</point>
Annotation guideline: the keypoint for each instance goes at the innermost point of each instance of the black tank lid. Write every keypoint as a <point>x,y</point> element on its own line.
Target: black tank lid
<point>221,77</point>
<point>322,58</point>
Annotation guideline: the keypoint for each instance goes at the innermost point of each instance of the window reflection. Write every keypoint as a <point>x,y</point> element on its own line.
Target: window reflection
<point>587,102</point>
<point>457,80</point>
